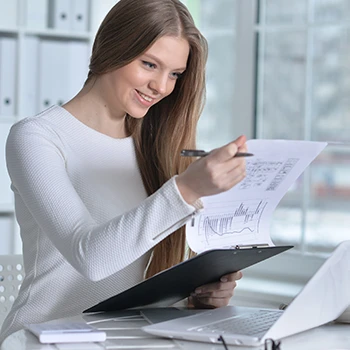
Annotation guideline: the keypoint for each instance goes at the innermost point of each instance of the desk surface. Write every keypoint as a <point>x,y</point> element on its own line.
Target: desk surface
<point>126,334</point>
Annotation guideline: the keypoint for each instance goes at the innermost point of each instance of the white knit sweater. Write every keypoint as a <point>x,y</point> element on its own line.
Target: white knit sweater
<point>86,223</point>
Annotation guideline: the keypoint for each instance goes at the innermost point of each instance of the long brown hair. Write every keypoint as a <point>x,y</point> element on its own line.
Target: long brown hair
<point>127,31</point>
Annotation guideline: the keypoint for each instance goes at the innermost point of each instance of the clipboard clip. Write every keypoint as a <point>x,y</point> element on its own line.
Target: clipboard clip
<point>250,246</point>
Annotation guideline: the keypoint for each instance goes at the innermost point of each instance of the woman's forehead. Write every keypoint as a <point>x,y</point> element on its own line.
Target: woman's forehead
<point>170,51</point>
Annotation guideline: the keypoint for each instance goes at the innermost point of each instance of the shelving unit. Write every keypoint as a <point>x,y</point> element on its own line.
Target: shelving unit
<point>30,27</point>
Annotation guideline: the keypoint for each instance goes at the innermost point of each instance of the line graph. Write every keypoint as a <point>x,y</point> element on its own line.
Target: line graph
<point>242,219</point>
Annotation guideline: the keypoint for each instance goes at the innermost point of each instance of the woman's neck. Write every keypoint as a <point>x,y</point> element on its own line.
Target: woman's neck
<point>89,108</point>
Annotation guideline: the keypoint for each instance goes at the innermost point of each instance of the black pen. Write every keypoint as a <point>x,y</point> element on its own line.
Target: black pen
<point>201,153</point>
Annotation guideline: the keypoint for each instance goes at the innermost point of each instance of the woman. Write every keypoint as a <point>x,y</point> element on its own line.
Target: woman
<point>101,192</point>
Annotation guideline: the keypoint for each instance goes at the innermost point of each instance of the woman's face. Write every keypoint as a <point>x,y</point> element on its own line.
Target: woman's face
<point>134,88</point>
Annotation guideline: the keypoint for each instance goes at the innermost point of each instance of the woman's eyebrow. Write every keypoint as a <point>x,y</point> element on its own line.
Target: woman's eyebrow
<point>162,64</point>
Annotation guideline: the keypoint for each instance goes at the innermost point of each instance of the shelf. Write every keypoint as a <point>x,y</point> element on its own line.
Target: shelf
<point>51,33</point>
<point>54,33</point>
<point>7,208</point>
<point>12,31</point>
<point>37,64</point>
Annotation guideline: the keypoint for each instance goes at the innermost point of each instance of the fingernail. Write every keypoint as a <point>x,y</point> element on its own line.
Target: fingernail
<point>223,279</point>
<point>198,291</point>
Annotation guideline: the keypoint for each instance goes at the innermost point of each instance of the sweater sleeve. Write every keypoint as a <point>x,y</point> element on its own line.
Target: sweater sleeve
<point>36,165</point>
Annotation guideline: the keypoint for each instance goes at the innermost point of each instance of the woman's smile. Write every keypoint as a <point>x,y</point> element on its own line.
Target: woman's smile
<point>144,99</point>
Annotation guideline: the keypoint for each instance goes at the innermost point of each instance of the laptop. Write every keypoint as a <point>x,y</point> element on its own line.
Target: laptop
<point>322,300</point>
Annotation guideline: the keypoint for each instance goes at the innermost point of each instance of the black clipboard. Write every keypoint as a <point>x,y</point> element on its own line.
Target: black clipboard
<point>179,281</point>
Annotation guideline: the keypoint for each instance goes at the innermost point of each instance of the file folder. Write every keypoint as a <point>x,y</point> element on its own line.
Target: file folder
<point>8,13</point>
<point>179,281</point>
<point>77,68</point>
<point>6,195</point>
<point>79,15</point>
<point>63,70</point>
<point>31,76</point>
<point>36,14</point>
<point>52,72</point>
<point>8,59</point>
<point>60,14</point>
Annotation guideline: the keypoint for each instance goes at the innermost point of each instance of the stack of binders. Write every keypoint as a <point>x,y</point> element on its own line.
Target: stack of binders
<point>65,15</point>
<point>71,15</point>
<point>56,71</point>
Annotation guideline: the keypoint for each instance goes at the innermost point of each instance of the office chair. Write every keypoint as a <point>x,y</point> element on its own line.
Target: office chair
<point>11,276</point>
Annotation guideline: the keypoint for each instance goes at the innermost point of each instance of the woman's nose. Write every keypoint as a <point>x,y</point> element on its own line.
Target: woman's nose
<point>159,84</point>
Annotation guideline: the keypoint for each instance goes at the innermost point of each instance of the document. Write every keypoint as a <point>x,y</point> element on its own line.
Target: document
<point>242,215</point>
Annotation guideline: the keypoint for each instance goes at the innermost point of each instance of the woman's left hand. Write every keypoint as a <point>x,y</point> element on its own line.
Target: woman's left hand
<point>215,294</point>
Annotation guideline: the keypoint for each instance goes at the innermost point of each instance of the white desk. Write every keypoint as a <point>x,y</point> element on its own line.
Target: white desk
<point>328,337</point>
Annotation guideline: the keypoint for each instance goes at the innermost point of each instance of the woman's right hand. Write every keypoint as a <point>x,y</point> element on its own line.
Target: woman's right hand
<point>215,173</point>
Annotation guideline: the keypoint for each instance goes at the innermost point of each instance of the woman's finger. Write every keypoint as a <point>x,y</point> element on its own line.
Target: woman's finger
<point>234,276</point>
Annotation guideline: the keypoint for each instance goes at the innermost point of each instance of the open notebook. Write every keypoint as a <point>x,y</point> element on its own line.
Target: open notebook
<point>322,300</point>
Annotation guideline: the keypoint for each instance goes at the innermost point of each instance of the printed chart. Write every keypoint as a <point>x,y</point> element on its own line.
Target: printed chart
<point>241,220</point>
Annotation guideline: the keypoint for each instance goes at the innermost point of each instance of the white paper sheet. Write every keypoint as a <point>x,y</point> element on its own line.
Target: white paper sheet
<point>243,214</point>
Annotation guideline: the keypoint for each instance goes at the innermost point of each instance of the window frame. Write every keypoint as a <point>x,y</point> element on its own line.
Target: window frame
<point>278,279</point>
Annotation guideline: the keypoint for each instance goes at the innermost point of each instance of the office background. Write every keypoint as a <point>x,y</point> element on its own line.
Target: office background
<point>276,69</point>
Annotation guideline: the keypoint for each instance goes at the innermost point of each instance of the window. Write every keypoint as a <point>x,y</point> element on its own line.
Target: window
<point>281,69</point>
<point>217,25</point>
<point>303,93</point>
<point>227,35</point>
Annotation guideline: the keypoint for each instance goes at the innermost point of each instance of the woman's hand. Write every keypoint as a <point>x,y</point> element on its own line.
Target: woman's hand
<point>215,294</point>
<point>217,172</point>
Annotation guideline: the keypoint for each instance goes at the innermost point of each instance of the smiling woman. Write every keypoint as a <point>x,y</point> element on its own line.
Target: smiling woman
<point>134,88</point>
<point>102,193</point>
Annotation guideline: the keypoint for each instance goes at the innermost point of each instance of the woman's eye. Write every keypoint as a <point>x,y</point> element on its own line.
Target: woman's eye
<point>149,64</point>
<point>176,75</point>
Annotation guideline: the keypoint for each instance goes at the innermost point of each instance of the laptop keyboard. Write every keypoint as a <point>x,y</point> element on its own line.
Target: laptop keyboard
<point>253,324</point>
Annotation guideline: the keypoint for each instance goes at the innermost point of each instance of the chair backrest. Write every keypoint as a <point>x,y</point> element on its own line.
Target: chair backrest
<point>11,276</point>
